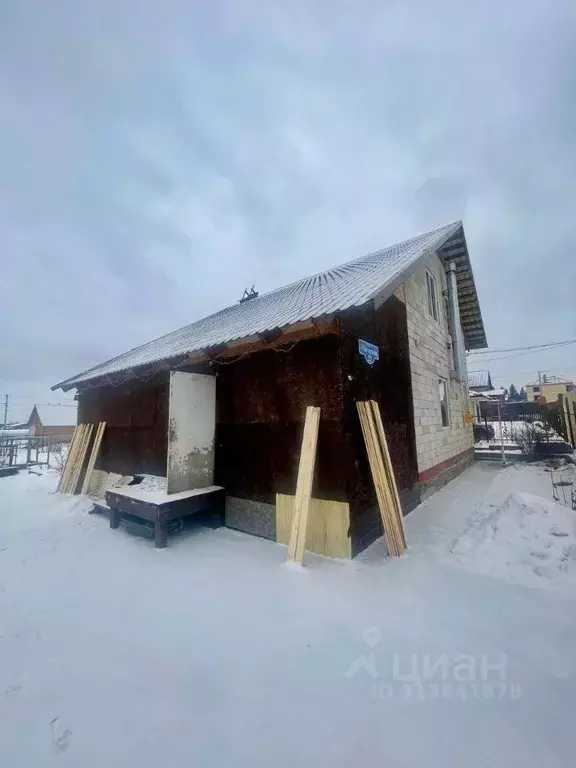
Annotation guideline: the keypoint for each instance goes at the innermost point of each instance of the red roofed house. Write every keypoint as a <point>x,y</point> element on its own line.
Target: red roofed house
<point>56,421</point>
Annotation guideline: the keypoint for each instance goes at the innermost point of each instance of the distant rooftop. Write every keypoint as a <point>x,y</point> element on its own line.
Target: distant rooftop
<point>549,380</point>
<point>479,380</point>
<point>57,415</point>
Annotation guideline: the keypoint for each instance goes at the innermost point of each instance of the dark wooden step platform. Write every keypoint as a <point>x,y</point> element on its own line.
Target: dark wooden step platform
<point>160,508</point>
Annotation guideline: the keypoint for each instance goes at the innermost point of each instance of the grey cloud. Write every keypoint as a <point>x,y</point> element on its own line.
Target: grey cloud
<point>157,158</point>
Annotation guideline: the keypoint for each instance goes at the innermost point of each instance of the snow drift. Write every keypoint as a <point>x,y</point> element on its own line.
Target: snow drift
<point>528,540</point>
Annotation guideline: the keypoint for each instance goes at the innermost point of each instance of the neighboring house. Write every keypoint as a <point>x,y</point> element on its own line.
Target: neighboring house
<point>547,389</point>
<point>56,421</point>
<point>222,401</point>
<point>479,381</point>
<point>482,405</point>
<point>485,403</point>
<point>496,395</point>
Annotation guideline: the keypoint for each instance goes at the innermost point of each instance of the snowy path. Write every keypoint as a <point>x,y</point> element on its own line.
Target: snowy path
<point>213,653</point>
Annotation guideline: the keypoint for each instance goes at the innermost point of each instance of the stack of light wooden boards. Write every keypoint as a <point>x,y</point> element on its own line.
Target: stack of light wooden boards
<point>81,459</point>
<point>382,475</point>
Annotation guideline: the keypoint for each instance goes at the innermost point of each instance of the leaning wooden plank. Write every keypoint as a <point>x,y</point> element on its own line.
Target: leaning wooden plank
<point>76,459</point>
<point>390,481</point>
<point>383,491</point>
<point>376,471</point>
<point>93,455</point>
<point>390,502</point>
<point>389,467</point>
<point>304,485</point>
<point>71,459</point>
<point>72,448</point>
<point>328,531</point>
<point>388,510</point>
<point>60,487</point>
<point>81,458</point>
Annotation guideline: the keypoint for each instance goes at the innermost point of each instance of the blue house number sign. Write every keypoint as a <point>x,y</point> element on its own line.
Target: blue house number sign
<point>369,352</point>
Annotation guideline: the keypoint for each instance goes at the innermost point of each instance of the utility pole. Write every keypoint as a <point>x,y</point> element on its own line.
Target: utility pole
<point>6,409</point>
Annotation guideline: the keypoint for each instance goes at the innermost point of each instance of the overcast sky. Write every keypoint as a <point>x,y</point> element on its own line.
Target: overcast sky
<point>156,158</point>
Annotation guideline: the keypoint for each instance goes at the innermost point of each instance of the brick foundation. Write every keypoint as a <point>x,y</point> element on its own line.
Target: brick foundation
<point>434,478</point>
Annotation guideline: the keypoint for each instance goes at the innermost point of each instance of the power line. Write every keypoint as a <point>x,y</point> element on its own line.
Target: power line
<point>522,354</point>
<point>516,349</point>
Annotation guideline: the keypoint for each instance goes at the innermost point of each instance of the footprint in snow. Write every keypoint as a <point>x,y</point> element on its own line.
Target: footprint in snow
<point>60,736</point>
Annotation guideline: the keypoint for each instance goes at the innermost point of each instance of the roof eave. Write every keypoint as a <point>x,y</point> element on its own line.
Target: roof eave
<point>382,294</point>
<point>289,334</point>
<point>452,247</point>
<point>455,249</point>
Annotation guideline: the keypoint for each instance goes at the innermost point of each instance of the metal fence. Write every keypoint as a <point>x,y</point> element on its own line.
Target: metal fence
<point>541,432</point>
<point>28,451</point>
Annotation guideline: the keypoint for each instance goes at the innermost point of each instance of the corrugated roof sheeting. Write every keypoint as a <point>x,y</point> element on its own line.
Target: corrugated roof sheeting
<point>312,298</point>
<point>479,379</point>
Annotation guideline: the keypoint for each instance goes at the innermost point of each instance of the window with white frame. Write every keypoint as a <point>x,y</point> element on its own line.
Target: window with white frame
<point>432,295</point>
<point>444,409</point>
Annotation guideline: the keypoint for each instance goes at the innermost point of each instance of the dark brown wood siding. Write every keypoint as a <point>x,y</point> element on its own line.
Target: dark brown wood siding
<point>388,382</point>
<point>136,416</point>
<point>261,404</point>
<point>261,401</point>
<point>396,403</point>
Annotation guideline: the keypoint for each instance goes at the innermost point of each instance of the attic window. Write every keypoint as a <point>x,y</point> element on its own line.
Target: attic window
<point>432,295</point>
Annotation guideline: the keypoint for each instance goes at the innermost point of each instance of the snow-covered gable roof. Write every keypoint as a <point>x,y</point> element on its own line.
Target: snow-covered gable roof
<point>495,392</point>
<point>479,380</point>
<point>57,415</point>
<point>322,295</point>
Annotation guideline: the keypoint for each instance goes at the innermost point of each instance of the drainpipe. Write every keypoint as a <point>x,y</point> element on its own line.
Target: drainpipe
<point>455,326</point>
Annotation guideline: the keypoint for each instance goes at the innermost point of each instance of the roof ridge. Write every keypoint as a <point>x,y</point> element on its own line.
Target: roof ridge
<point>353,261</point>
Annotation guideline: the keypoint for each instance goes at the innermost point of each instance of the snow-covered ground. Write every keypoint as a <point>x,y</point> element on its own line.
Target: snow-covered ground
<point>527,539</point>
<point>212,652</point>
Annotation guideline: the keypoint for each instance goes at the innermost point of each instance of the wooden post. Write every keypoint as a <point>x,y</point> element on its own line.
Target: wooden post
<point>501,435</point>
<point>568,422</point>
<point>160,534</point>
<point>304,485</point>
<point>571,403</point>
